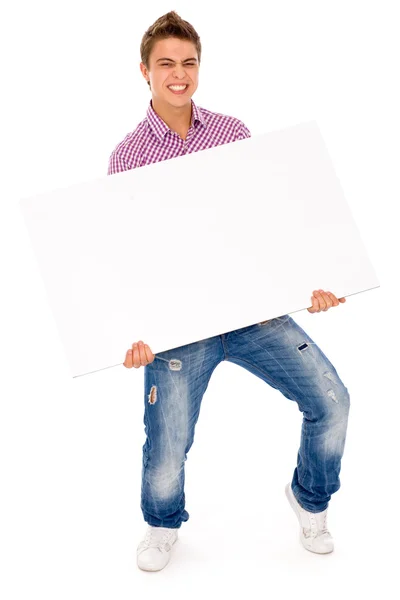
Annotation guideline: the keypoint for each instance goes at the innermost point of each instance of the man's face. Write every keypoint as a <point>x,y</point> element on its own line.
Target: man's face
<point>182,67</point>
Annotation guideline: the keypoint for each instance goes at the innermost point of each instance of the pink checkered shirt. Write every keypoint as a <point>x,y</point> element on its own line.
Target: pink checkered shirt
<point>153,140</point>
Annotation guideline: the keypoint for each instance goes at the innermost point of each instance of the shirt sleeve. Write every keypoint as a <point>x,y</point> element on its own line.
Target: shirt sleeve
<point>116,164</point>
<point>243,132</point>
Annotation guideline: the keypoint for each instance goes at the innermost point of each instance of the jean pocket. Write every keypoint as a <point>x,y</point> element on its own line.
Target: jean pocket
<point>281,319</point>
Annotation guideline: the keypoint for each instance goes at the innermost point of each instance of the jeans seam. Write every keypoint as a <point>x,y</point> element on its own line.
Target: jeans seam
<point>224,348</point>
<point>266,374</point>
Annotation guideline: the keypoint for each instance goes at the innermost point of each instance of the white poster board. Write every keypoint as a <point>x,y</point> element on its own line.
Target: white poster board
<point>195,246</point>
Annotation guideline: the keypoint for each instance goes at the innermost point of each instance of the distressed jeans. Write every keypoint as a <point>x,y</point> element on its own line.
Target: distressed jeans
<point>281,354</point>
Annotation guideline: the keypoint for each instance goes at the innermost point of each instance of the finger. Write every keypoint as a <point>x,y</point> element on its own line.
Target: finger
<point>342,299</point>
<point>128,359</point>
<point>321,303</point>
<point>135,356</point>
<point>334,300</point>
<point>149,354</point>
<point>327,300</point>
<point>315,305</point>
<point>322,300</point>
<point>142,354</point>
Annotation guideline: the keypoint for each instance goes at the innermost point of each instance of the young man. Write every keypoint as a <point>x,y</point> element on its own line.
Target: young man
<point>278,351</point>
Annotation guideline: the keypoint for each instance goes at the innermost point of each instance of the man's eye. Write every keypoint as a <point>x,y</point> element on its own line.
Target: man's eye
<point>187,64</point>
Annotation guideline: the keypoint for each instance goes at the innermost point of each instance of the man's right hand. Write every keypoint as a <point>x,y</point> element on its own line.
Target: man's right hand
<point>139,356</point>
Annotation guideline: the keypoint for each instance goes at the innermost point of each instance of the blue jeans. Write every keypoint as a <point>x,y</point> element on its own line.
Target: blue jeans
<point>284,356</point>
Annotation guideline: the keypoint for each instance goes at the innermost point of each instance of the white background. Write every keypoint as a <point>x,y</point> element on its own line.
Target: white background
<point>70,450</point>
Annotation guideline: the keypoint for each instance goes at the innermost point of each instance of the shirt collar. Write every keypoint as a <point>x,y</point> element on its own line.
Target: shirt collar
<point>159,126</point>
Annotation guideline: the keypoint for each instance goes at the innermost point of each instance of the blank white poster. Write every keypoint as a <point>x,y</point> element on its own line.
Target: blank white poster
<point>195,246</point>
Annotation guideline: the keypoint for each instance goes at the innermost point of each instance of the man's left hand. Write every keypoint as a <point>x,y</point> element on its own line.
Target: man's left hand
<point>323,301</point>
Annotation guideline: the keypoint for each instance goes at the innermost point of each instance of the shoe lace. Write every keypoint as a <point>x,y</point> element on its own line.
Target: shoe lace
<point>318,526</point>
<point>152,541</point>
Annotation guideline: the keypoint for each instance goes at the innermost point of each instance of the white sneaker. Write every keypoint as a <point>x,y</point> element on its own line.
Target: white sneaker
<point>154,551</point>
<point>314,534</point>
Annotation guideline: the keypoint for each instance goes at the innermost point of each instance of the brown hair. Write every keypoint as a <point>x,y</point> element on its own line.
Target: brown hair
<point>169,25</point>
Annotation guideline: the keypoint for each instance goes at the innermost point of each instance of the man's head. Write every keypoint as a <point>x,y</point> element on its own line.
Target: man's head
<point>172,38</point>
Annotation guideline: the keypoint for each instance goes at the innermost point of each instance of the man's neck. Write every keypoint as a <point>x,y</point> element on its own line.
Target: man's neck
<point>178,118</point>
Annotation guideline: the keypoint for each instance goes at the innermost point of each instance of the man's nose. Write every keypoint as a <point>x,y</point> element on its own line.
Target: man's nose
<point>179,71</point>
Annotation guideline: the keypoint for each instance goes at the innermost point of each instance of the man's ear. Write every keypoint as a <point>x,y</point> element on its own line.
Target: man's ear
<point>144,71</point>
<point>145,74</point>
